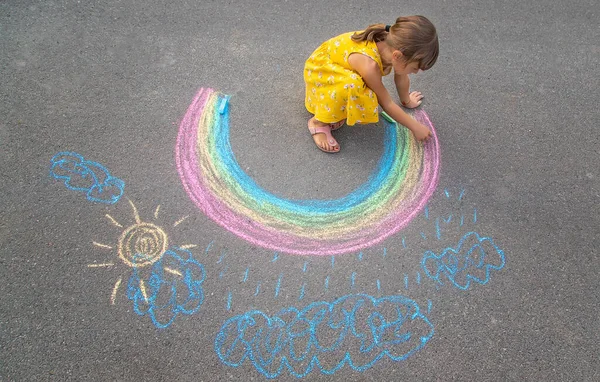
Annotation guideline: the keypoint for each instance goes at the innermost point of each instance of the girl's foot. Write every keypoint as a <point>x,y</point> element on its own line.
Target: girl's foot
<point>321,133</point>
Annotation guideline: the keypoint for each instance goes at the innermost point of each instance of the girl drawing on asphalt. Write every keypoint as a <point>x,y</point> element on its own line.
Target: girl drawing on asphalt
<point>344,77</point>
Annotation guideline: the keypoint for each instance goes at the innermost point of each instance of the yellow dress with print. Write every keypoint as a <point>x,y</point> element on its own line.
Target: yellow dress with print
<point>334,91</point>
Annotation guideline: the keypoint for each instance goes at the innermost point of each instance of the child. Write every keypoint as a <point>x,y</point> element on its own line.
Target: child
<point>343,77</point>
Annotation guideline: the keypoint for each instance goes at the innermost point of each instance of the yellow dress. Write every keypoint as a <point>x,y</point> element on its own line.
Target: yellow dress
<point>334,91</point>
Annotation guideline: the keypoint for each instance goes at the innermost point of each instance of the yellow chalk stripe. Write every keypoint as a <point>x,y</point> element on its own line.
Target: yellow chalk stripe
<point>114,221</point>
<point>102,245</point>
<point>173,271</point>
<point>100,265</point>
<point>135,212</point>
<point>143,289</point>
<point>113,295</point>
<point>180,221</point>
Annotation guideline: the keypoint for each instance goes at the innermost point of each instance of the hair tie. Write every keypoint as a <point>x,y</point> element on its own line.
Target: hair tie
<point>387,28</point>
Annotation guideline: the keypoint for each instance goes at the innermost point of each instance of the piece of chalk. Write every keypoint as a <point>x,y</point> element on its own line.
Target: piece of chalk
<point>387,117</point>
<point>223,104</point>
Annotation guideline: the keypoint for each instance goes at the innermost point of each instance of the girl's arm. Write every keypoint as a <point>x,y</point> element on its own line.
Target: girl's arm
<point>411,100</point>
<point>369,71</point>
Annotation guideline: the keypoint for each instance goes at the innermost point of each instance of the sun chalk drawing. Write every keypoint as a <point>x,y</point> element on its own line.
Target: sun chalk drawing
<point>473,259</point>
<point>174,286</point>
<point>166,280</point>
<point>399,187</point>
<point>82,175</point>
<point>355,330</point>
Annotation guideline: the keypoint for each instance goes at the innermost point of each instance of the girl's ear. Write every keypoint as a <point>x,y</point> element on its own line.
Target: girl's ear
<point>396,54</point>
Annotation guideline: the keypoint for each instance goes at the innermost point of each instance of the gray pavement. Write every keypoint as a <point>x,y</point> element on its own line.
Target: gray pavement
<point>496,279</point>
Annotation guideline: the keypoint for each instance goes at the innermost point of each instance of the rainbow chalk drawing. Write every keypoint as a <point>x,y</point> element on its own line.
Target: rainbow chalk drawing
<point>354,330</point>
<point>399,187</point>
<point>92,178</point>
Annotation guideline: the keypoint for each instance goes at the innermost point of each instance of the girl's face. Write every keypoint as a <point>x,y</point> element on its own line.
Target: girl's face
<point>401,66</point>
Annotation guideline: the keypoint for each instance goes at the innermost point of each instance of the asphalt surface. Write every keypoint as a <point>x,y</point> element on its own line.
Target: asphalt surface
<point>513,98</point>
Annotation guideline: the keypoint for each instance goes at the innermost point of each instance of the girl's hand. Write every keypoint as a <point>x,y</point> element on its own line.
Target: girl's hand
<point>415,99</point>
<point>421,131</point>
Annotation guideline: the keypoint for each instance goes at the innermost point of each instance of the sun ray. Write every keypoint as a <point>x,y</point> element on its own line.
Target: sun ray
<point>173,271</point>
<point>143,289</point>
<point>105,265</point>
<point>156,212</point>
<point>135,212</point>
<point>188,246</point>
<point>114,221</point>
<point>178,222</point>
<point>113,295</point>
<point>102,245</point>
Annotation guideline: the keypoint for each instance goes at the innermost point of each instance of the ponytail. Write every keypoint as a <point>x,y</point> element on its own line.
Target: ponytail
<point>374,32</point>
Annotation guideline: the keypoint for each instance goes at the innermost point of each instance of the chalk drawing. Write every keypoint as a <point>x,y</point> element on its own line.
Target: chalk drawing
<point>223,272</point>
<point>355,330</point>
<point>165,280</point>
<point>278,286</point>
<point>229,301</point>
<point>82,175</point>
<point>473,259</point>
<point>174,287</point>
<point>397,190</point>
<point>139,245</point>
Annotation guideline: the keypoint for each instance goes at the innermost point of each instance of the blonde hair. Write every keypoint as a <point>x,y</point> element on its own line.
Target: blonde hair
<point>414,36</point>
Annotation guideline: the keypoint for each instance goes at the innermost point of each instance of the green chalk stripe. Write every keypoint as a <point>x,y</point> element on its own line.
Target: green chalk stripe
<point>387,117</point>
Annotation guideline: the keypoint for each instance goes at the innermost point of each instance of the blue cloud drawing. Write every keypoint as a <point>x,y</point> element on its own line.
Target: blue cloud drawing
<point>355,330</point>
<point>174,286</point>
<point>92,178</point>
<point>473,259</point>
